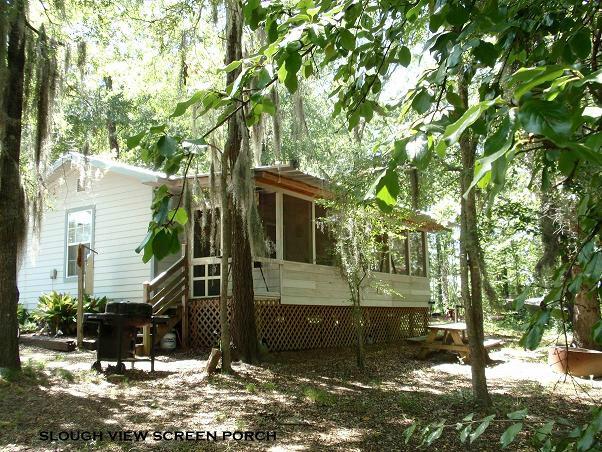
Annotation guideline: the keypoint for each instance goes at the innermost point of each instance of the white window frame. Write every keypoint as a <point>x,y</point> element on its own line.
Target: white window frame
<point>67,244</point>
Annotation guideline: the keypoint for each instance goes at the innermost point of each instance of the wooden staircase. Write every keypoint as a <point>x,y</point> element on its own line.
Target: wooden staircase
<point>168,293</point>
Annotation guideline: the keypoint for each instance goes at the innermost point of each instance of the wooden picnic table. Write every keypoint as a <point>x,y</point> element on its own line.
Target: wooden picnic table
<point>453,338</point>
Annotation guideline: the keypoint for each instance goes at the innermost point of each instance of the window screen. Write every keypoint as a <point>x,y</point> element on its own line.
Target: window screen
<point>79,230</point>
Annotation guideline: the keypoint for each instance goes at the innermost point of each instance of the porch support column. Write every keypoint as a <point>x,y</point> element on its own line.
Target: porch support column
<point>279,227</point>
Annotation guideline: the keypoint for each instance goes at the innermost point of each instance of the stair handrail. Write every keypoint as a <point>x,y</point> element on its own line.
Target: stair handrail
<point>167,290</point>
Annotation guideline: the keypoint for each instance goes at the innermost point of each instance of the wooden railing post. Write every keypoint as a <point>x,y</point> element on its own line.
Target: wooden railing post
<point>185,269</point>
<point>146,333</point>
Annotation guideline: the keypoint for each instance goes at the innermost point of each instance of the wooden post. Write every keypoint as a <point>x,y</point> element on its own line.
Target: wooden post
<point>146,333</point>
<point>80,296</point>
<point>185,296</point>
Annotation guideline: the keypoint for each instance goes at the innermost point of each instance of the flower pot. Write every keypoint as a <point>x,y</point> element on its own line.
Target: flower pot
<point>580,362</point>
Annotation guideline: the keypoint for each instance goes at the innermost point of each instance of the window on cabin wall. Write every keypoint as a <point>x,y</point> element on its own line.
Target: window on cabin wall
<point>297,225</point>
<point>79,231</point>
<point>399,254</point>
<point>325,244</point>
<point>206,275</point>
<point>266,205</point>
<point>417,253</point>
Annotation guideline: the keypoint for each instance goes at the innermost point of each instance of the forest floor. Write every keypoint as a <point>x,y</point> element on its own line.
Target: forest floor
<point>312,400</point>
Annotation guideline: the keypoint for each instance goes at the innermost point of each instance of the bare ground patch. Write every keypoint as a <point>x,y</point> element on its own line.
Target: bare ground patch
<point>313,400</point>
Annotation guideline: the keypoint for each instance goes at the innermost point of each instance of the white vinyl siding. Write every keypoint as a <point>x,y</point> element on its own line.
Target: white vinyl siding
<point>121,211</point>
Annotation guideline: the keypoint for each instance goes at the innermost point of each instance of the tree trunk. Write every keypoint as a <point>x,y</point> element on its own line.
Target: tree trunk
<point>243,300</point>
<point>472,290</point>
<point>12,198</point>
<point>586,312</point>
<point>226,234</point>
<point>243,306</point>
<point>358,322</point>
<point>111,127</point>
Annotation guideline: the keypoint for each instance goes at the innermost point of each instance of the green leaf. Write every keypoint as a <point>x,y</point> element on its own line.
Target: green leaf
<point>464,433</point>
<point>179,216</point>
<point>454,131</point>
<point>548,74</point>
<point>518,415</point>
<point>181,107</point>
<point>481,428</point>
<point>233,65</point>
<point>434,434</point>
<point>496,147</point>
<point>404,57</point>
<point>581,43</point>
<point>510,433</point>
<point>547,118</point>
<point>167,146</point>
<point>418,150</point>
<point>486,53</point>
<point>422,101</point>
<point>386,189</point>
<point>347,39</point>
<point>135,140</point>
<point>162,243</point>
<point>148,238</point>
<point>408,432</point>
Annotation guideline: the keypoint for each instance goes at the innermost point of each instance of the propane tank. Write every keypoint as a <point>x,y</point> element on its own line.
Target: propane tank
<point>168,342</point>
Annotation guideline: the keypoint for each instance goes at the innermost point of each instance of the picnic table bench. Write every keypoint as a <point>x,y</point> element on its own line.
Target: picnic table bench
<point>453,338</point>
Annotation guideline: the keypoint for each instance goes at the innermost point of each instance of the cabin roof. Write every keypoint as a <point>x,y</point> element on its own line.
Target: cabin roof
<point>282,175</point>
<point>144,175</point>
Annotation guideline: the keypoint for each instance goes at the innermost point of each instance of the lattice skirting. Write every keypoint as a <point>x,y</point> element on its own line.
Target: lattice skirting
<point>299,327</point>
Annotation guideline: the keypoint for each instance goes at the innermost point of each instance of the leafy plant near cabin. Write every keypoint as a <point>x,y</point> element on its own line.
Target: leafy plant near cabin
<point>23,314</point>
<point>58,311</point>
<point>95,304</point>
<point>560,435</point>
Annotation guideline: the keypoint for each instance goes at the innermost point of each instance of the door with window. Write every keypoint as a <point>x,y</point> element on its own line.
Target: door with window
<point>79,230</point>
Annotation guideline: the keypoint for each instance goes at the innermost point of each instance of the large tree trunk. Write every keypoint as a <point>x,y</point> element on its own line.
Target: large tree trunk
<point>243,318</point>
<point>12,199</point>
<point>111,127</point>
<point>226,234</point>
<point>358,323</point>
<point>243,300</point>
<point>472,289</point>
<point>586,312</point>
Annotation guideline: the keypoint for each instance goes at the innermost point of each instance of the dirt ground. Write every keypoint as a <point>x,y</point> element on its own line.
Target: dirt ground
<point>311,400</point>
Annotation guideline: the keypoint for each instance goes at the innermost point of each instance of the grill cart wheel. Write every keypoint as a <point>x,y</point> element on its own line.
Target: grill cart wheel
<point>97,366</point>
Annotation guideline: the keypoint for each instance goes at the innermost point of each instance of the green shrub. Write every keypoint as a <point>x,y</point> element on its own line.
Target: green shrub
<point>57,311</point>
<point>22,314</point>
<point>94,304</point>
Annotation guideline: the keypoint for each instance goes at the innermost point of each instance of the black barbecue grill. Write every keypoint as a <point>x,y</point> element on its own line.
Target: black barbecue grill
<point>117,331</point>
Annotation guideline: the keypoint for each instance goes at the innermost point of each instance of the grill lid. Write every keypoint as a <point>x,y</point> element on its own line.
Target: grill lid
<point>126,308</point>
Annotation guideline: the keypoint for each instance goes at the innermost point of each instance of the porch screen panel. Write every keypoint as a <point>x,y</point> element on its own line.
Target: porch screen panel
<point>399,254</point>
<point>417,256</point>
<point>266,204</point>
<point>325,251</point>
<point>297,224</point>
<point>203,246</point>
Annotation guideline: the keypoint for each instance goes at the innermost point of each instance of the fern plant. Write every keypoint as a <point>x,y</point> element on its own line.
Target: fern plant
<point>57,311</point>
